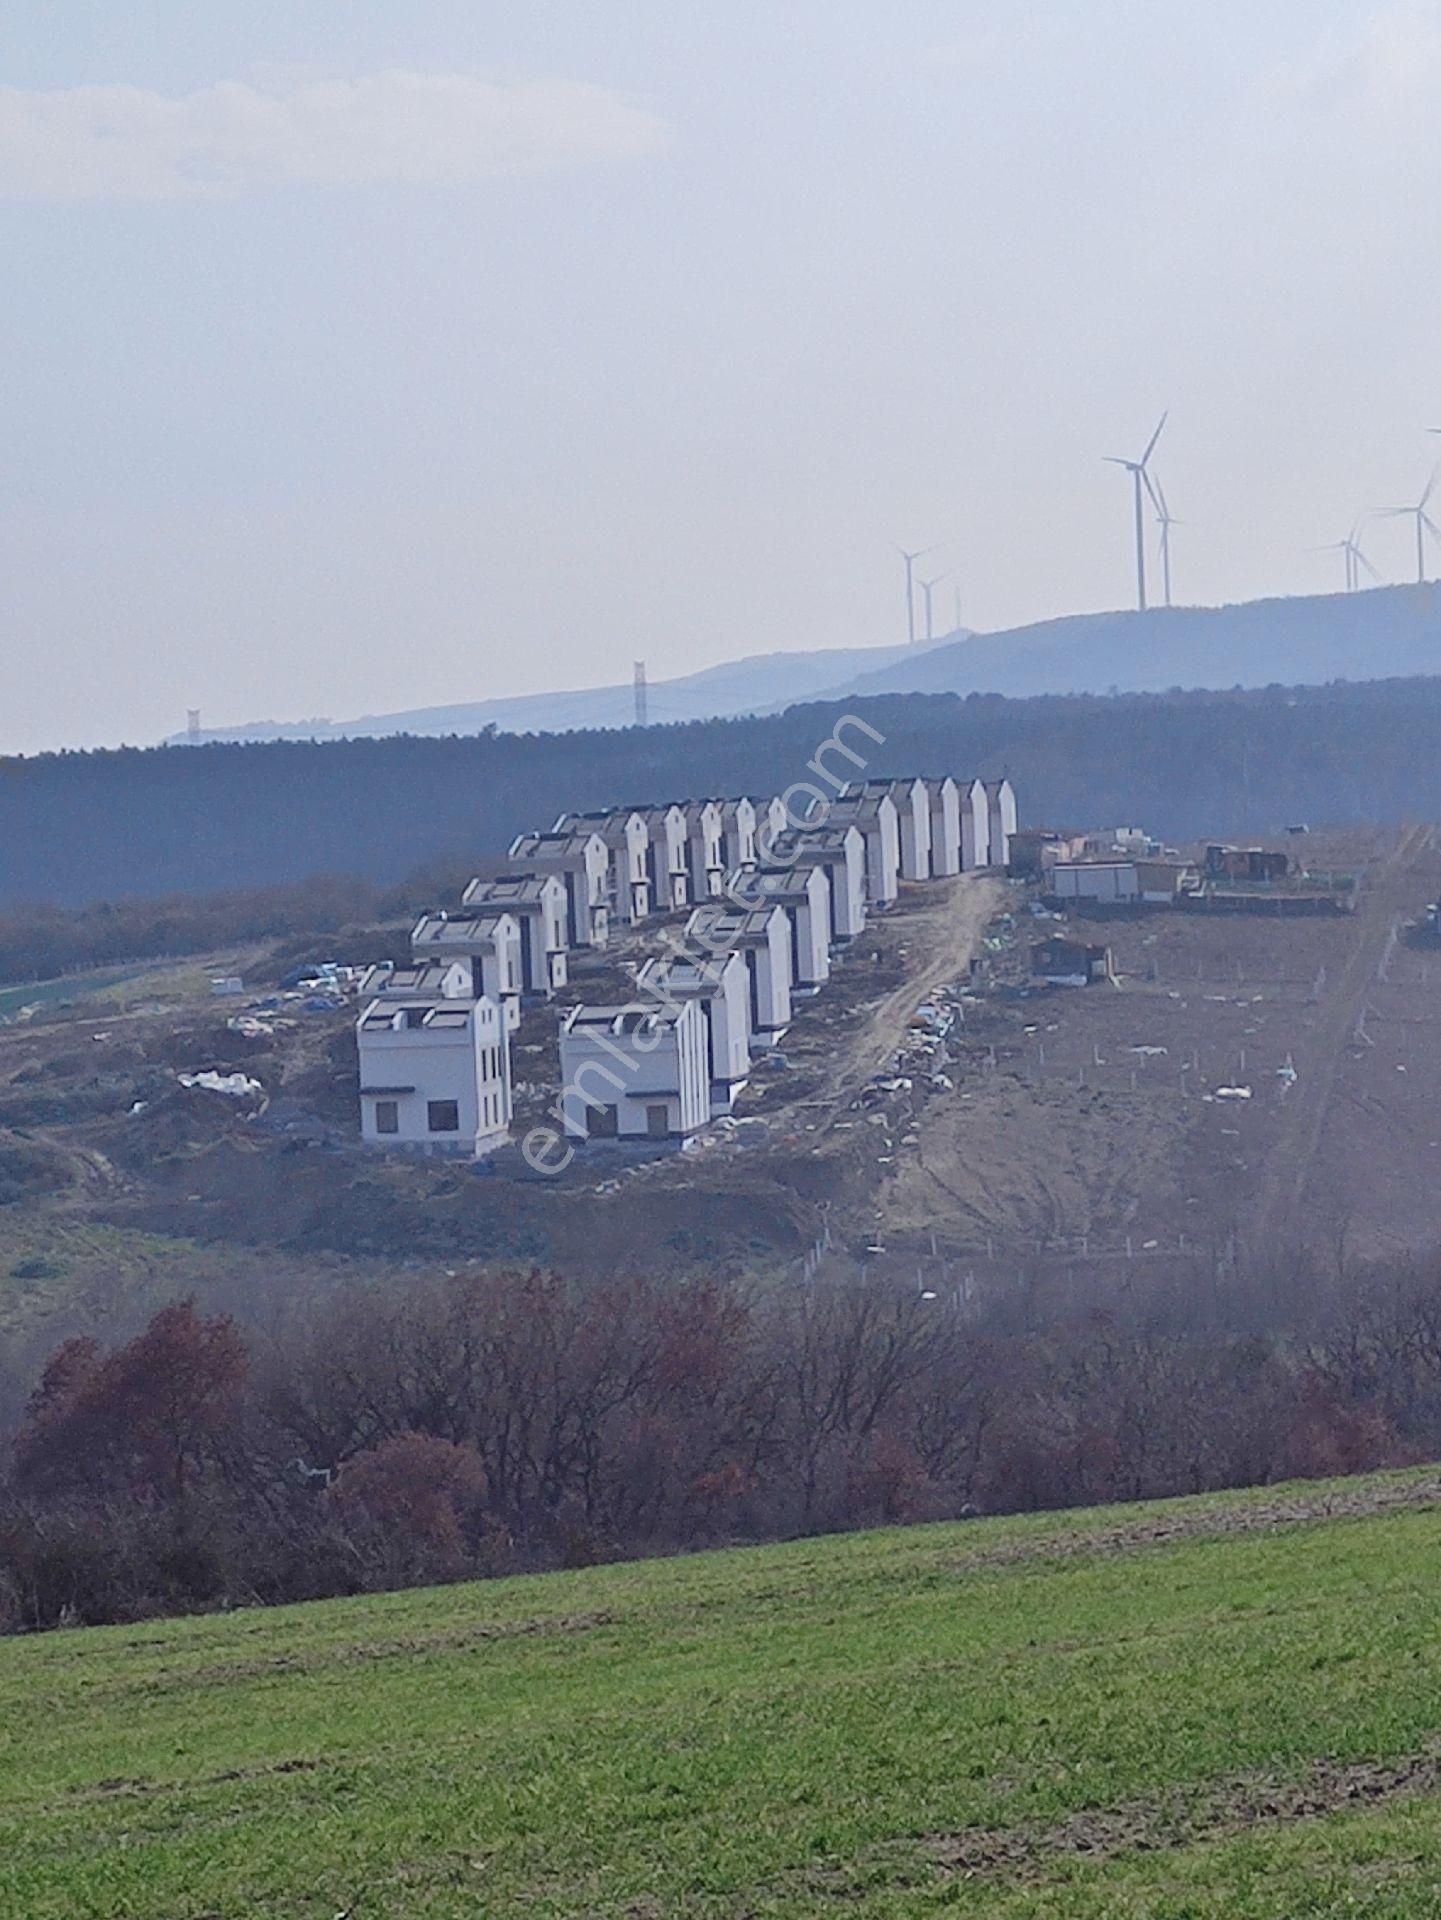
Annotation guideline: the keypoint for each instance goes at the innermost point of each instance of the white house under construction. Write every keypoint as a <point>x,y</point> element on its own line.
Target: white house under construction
<point>768,904</point>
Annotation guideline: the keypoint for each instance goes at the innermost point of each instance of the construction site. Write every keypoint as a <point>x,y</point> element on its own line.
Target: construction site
<point>1224,1087</point>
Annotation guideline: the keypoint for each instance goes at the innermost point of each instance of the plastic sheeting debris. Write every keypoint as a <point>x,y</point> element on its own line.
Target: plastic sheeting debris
<point>236,1086</point>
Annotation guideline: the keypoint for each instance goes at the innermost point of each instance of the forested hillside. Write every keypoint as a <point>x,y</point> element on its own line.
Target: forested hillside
<point>84,827</point>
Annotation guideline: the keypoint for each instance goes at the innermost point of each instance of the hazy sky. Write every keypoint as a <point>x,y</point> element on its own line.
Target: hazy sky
<point>367,356</point>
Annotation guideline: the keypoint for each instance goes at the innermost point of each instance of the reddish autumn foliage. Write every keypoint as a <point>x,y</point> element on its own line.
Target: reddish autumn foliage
<point>493,1421</point>
<point>142,1420</point>
<point>419,1498</point>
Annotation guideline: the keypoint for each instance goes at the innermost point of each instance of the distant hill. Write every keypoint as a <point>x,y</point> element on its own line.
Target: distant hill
<point>1257,643</point>
<point>1304,641</point>
<point>759,683</point>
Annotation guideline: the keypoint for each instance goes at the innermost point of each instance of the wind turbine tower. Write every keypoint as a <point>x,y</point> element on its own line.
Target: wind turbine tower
<point>642,695</point>
<point>1355,560</point>
<point>927,587</point>
<point>1165,519</point>
<point>1140,481</point>
<point>1424,523</point>
<point>910,560</point>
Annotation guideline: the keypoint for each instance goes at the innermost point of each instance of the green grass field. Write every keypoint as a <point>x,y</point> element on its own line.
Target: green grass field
<point>1223,1707</point>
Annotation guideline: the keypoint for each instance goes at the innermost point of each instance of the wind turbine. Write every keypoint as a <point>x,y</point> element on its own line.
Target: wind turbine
<point>1355,559</point>
<point>1165,519</point>
<point>926,587</point>
<point>910,560</point>
<point>1139,479</point>
<point>1424,523</point>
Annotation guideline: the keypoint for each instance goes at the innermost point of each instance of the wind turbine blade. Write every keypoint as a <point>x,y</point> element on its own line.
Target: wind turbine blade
<point>1151,443</point>
<point>1362,561</point>
<point>1427,521</point>
<point>1430,489</point>
<point>1115,460</point>
<point>1156,500</point>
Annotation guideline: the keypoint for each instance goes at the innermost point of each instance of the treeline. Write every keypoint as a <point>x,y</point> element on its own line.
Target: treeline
<point>479,1425</point>
<point>80,827</point>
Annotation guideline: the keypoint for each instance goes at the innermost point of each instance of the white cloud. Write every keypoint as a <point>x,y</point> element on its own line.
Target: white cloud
<point>424,129</point>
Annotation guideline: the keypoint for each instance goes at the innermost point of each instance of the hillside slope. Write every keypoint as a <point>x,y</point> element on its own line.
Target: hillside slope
<point>1219,1707</point>
<point>755,684</point>
<point>1343,636</point>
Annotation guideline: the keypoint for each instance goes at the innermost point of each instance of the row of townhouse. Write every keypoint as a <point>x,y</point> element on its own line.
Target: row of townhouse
<point>619,866</point>
<point>771,901</point>
<point>663,1065</point>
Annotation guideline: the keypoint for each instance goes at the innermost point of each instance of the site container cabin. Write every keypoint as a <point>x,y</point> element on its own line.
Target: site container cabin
<point>1109,881</point>
<point>1070,963</point>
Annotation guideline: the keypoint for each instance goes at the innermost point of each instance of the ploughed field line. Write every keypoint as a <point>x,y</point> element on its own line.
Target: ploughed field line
<point>1321,1054</point>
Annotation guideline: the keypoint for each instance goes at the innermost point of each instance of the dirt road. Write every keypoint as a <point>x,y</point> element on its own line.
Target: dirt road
<point>949,937</point>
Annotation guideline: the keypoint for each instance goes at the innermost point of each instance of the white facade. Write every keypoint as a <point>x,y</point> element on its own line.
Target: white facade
<point>538,903</point>
<point>490,941</point>
<point>975,825</point>
<point>705,840</point>
<point>1001,804</point>
<point>668,858</point>
<point>582,860</point>
<point>1094,880</point>
<point>434,1072</point>
<point>721,985</point>
<point>771,822</point>
<point>738,818</point>
<point>875,815</point>
<point>806,897</point>
<point>634,1072</point>
<point>913,811</point>
<point>762,937</point>
<point>841,850</point>
<point>945,799</point>
<point>627,840</point>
